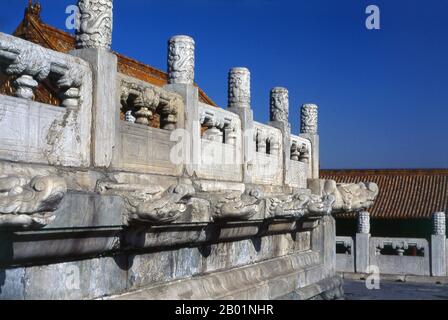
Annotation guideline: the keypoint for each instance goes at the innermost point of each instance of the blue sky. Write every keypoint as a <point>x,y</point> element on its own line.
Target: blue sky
<point>382,94</point>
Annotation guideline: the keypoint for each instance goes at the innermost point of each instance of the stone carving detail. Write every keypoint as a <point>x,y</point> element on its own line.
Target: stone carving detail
<point>279,104</point>
<point>231,135</point>
<point>236,206</point>
<point>363,222</point>
<point>299,205</point>
<point>300,149</point>
<point>217,123</point>
<point>95,24</point>
<point>214,126</point>
<point>261,141</point>
<point>150,204</point>
<point>69,81</point>
<point>181,60</point>
<point>309,119</point>
<point>239,88</point>
<point>295,153</point>
<point>304,154</point>
<point>140,103</point>
<point>274,145</point>
<point>351,197</point>
<point>266,141</point>
<point>439,223</point>
<point>27,203</point>
<point>347,245</point>
<point>32,63</point>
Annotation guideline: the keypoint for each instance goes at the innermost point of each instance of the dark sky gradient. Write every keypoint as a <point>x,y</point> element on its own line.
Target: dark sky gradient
<point>382,95</point>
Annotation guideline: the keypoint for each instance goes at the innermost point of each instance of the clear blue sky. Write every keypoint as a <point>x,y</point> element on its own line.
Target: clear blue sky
<point>382,94</point>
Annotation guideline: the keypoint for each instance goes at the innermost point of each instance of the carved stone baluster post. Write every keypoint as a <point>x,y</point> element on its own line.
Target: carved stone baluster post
<point>69,81</point>
<point>144,113</point>
<point>295,154</point>
<point>308,129</point>
<point>93,42</point>
<point>25,86</point>
<point>279,104</point>
<point>213,124</point>
<point>239,88</point>
<point>181,64</point>
<point>239,102</point>
<point>438,245</point>
<point>261,141</point>
<point>279,112</point>
<point>231,135</point>
<point>95,25</point>
<point>439,224</point>
<point>362,242</point>
<point>168,114</point>
<point>181,60</point>
<point>364,222</point>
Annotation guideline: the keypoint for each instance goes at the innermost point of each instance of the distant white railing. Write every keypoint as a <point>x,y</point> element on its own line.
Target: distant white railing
<point>401,256</point>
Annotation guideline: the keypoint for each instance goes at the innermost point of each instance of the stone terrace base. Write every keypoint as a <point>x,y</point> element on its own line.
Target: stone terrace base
<point>293,265</point>
<point>297,276</point>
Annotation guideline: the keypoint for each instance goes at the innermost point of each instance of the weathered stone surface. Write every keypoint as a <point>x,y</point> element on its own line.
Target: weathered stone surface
<point>186,262</point>
<point>191,142</point>
<point>285,129</point>
<point>327,289</point>
<point>11,284</point>
<point>34,132</point>
<point>141,148</point>
<point>439,223</point>
<point>220,160</point>
<point>233,284</point>
<point>345,261</point>
<point>362,251</point>
<point>29,247</point>
<point>88,210</point>
<point>105,115</point>
<point>72,280</point>
<point>146,269</point>
<point>248,145</point>
<point>309,119</point>
<point>438,256</point>
<point>267,165</point>
<point>216,186</point>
